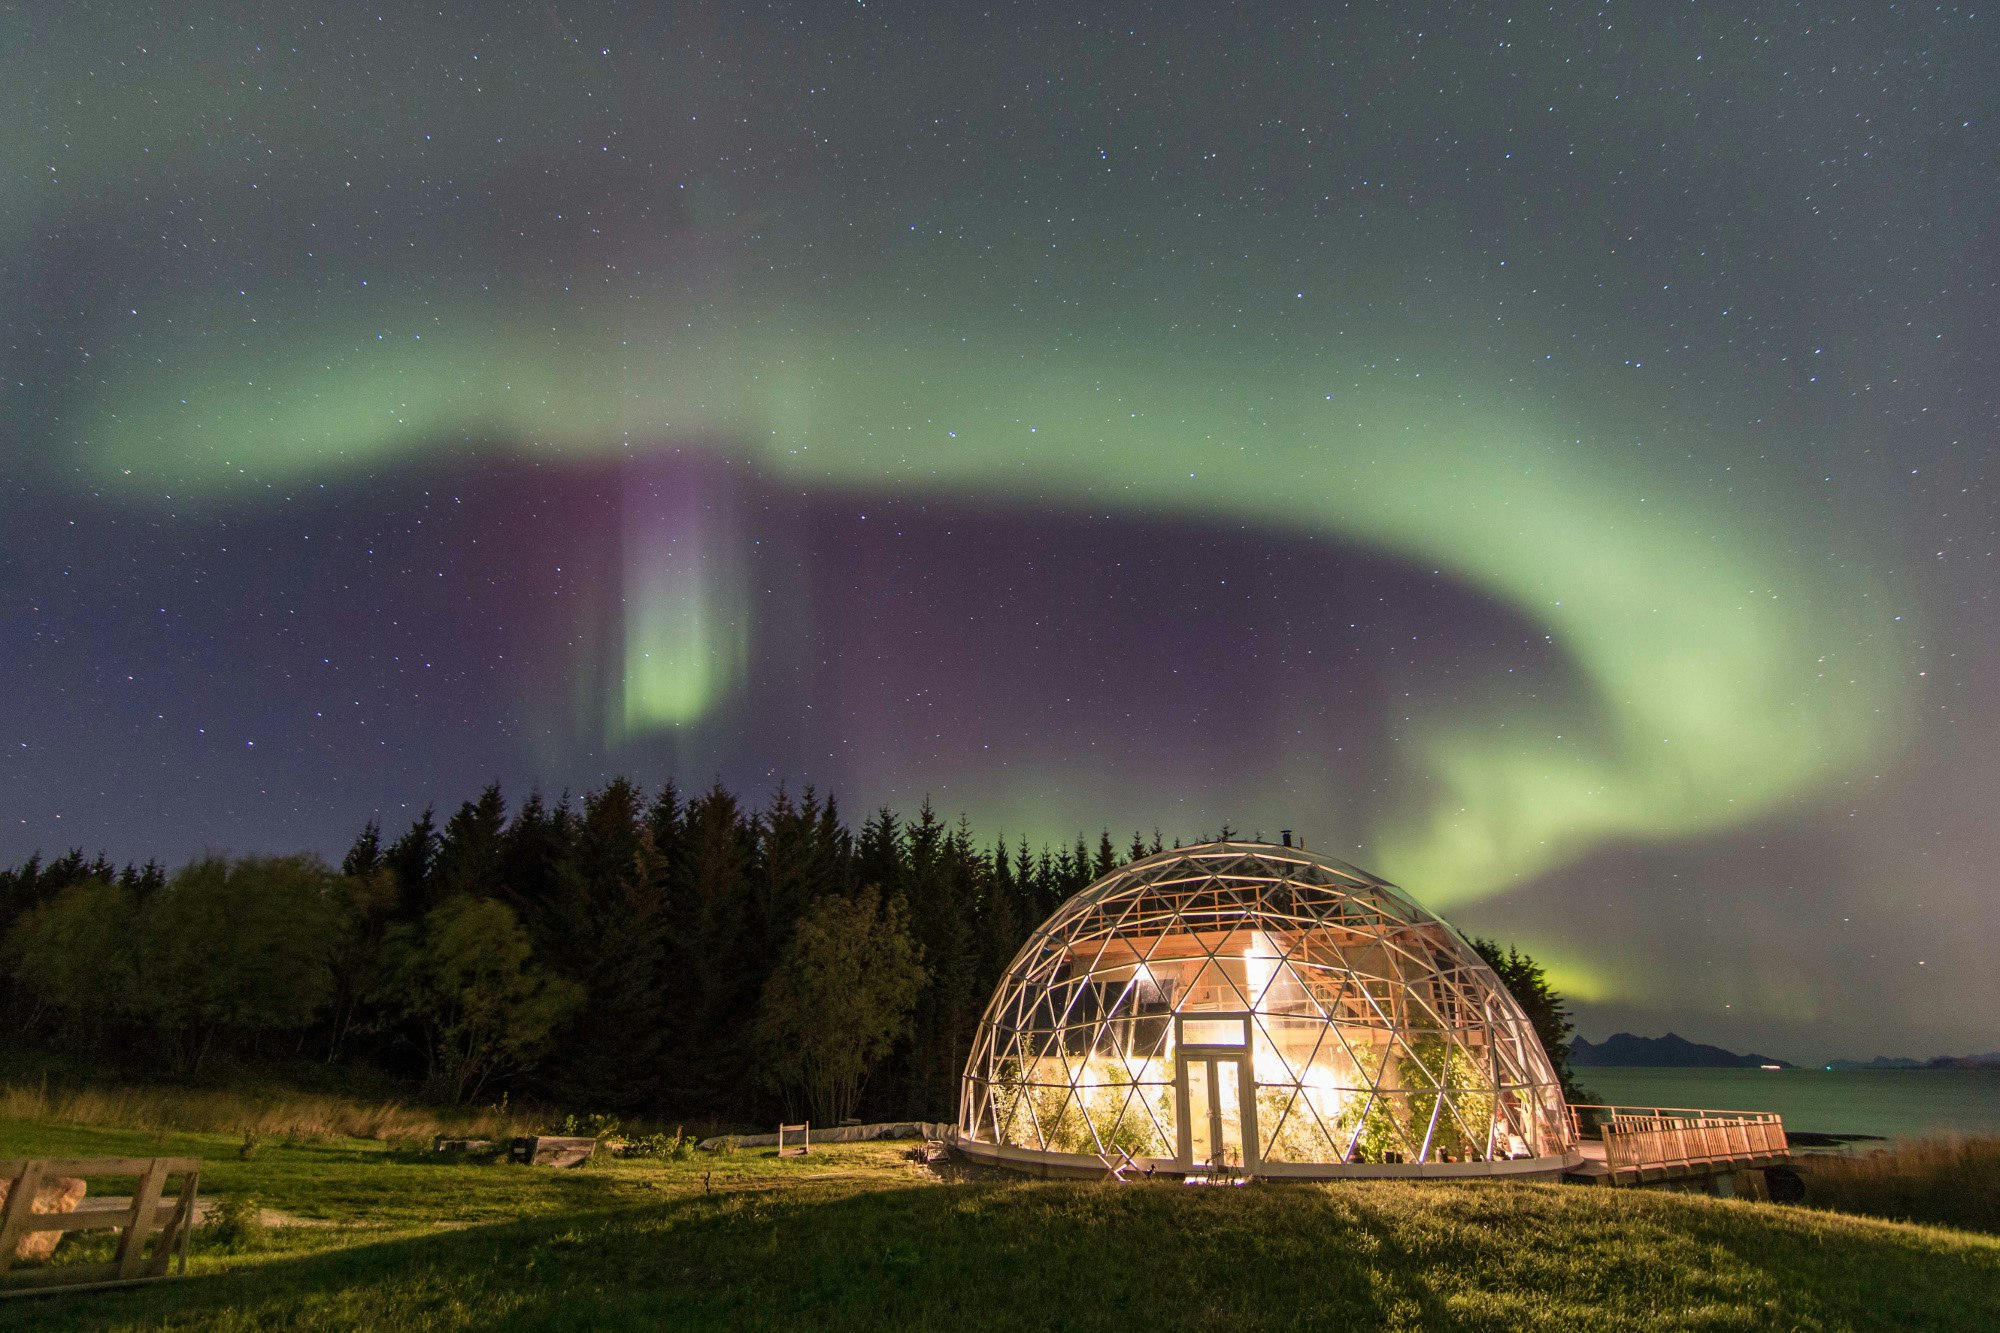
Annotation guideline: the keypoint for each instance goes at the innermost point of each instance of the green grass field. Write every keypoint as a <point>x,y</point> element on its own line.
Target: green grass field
<point>861,1238</point>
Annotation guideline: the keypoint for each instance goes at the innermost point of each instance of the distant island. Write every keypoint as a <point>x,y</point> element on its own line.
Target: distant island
<point>1677,1052</point>
<point>1669,1052</point>
<point>1991,1060</point>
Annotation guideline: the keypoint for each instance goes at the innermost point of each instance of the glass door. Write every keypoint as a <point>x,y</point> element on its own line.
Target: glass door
<point>1198,1125</point>
<point>1213,1094</point>
<point>1215,1121</point>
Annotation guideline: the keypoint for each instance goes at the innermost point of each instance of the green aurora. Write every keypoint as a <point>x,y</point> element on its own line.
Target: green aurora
<point>1617,324</point>
<point>1717,692</point>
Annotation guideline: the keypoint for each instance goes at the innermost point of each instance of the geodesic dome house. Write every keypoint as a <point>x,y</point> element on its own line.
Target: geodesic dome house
<point>1243,1008</point>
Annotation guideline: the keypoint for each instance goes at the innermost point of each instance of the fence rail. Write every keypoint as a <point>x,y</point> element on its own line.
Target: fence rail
<point>1676,1140</point>
<point>150,1214</point>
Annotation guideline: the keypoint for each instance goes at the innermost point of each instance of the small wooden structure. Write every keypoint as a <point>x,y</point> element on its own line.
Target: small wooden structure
<point>552,1150</point>
<point>799,1147</point>
<point>151,1215</point>
<point>445,1143</point>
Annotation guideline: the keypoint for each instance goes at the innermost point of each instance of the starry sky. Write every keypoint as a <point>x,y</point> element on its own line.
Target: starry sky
<point>1546,458</point>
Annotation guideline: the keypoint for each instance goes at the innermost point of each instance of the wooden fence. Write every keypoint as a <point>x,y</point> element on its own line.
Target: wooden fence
<point>1673,1141</point>
<point>149,1215</point>
<point>894,1129</point>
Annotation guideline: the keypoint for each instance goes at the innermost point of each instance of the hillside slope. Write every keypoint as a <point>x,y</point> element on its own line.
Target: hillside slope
<point>856,1240</point>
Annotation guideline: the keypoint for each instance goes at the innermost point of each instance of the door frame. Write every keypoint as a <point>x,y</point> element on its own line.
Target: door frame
<point>1218,1055</point>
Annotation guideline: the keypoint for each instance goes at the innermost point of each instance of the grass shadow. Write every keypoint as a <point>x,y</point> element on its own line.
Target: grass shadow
<point>861,1255</point>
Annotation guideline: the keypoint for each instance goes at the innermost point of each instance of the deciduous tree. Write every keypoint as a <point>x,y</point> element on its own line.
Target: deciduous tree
<point>839,1000</point>
<point>466,981</point>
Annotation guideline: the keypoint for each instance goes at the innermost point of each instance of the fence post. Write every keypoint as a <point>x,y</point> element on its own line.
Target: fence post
<point>174,1241</point>
<point>145,1203</point>
<point>20,1203</point>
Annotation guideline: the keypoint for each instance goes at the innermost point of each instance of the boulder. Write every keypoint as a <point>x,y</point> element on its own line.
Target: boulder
<point>57,1194</point>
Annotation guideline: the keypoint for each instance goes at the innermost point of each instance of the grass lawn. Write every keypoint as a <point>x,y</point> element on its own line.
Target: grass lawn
<point>859,1238</point>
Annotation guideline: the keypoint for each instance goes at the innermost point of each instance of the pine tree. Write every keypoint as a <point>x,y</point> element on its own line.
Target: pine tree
<point>533,852</point>
<point>411,861</point>
<point>1545,1007</point>
<point>617,899</point>
<point>469,852</point>
<point>714,984</point>
<point>364,858</point>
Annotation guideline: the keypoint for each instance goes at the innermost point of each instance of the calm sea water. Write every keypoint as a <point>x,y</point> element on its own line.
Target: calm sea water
<point>1894,1103</point>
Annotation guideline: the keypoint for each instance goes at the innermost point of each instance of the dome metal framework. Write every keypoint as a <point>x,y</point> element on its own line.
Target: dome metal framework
<point>1247,1008</point>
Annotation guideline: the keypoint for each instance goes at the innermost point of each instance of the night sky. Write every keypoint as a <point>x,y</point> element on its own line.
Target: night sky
<point>1547,460</point>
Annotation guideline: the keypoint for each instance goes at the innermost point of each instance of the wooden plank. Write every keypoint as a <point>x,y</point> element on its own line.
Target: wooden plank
<point>72,1283</point>
<point>174,1244</point>
<point>42,1279</point>
<point>139,1222</point>
<point>174,1234</point>
<point>100,1166</point>
<point>552,1150</point>
<point>27,1182</point>
<point>94,1219</point>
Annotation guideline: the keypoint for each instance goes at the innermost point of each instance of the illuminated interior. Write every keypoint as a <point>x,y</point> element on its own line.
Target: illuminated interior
<point>1243,1008</point>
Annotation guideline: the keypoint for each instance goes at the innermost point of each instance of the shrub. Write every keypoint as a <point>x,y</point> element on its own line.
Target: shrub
<point>1446,1083</point>
<point>1104,1112</point>
<point>674,1147</point>
<point>1289,1131</point>
<point>588,1127</point>
<point>237,1224</point>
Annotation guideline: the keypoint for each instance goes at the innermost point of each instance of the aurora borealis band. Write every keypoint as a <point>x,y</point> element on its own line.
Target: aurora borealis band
<point>1547,460</point>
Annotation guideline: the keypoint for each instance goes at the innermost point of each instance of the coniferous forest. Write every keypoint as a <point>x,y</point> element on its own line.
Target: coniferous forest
<point>646,953</point>
<point>631,951</point>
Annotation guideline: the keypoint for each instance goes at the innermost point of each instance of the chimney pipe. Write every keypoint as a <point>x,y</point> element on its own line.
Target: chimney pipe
<point>1286,834</point>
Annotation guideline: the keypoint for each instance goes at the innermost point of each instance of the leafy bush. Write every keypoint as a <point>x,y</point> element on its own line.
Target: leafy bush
<point>237,1224</point>
<point>588,1127</point>
<point>1445,1082</point>
<point>1288,1130</point>
<point>1103,1112</point>
<point>1370,1124</point>
<point>1119,1117</point>
<point>674,1147</point>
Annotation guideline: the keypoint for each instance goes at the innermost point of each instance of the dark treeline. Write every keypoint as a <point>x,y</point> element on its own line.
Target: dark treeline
<point>648,954</point>
<point>634,952</point>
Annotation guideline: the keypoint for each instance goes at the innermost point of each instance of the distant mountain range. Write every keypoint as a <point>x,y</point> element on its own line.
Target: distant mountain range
<point>1991,1060</point>
<point>1676,1052</point>
<point>1668,1052</point>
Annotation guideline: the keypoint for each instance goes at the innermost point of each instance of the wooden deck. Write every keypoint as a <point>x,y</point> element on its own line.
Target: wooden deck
<point>1629,1145</point>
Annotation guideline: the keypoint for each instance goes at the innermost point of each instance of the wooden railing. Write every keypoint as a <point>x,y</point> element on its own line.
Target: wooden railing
<point>1675,1140</point>
<point>150,1214</point>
